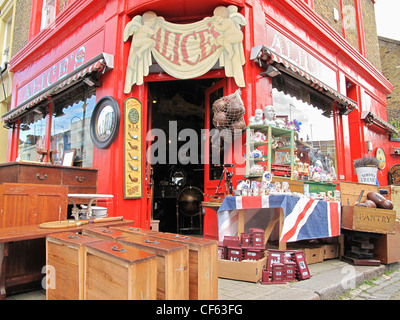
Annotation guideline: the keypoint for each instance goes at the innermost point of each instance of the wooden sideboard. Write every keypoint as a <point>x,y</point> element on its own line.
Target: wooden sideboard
<point>77,179</point>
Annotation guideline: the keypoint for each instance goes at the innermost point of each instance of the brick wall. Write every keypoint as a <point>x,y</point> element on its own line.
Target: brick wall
<point>370,33</point>
<point>21,27</point>
<point>325,9</point>
<point>390,60</point>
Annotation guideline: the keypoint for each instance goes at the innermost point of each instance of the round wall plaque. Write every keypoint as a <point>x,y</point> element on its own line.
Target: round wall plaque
<point>104,124</point>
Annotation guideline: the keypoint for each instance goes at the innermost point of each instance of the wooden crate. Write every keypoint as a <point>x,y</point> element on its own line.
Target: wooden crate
<point>244,270</point>
<point>361,218</point>
<point>203,266</point>
<point>387,248</point>
<point>172,265</point>
<point>119,272</point>
<point>65,256</point>
<point>350,191</point>
<point>368,219</point>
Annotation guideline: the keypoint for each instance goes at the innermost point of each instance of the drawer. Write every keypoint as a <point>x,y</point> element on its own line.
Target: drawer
<point>39,175</point>
<point>81,178</point>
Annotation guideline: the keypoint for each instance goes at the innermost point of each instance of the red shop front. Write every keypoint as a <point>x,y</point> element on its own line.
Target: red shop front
<point>109,79</point>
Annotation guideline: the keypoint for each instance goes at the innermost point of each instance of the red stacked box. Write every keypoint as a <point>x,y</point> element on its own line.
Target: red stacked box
<point>235,254</point>
<point>257,237</point>
<point>285,266</point>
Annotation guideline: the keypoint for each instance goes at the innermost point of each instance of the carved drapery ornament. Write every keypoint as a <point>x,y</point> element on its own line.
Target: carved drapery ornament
<point>186,50</point>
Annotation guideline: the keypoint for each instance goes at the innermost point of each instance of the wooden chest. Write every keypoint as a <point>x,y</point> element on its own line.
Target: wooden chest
<point>172,265</point>
<point>65,256</point>
<point>203,265</point>
<point>119,272</point>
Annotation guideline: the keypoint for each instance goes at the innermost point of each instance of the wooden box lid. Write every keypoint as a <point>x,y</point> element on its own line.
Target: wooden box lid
<point>132,229</point>
<point>151,244</point>
<point>194,242</point>
<point>119,251</point>
<point>71,238</point>
<point>350,191</point>
<point>104,232</point>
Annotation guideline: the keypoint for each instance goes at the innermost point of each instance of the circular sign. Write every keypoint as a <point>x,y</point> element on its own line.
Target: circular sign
<point>105,122</point>
<point>380,155</point>
<point>394,175</point>
<point>133,115</point>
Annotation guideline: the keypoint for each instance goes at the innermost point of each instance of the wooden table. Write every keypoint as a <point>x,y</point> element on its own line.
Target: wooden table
<point>26,233</point>
<point>90,197</point>
<point>299,218</point>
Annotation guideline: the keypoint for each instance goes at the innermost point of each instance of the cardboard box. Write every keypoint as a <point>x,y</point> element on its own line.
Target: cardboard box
<point>313,254</point>
<point>331,251</point>
<point>244,270</point>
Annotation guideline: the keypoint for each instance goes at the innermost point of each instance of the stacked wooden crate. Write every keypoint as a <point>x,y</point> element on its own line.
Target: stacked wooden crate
<point>128,263</point>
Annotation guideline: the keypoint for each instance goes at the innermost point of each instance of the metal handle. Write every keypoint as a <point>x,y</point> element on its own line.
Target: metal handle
<point>134,229</point>
<point>71,236</point>
<point>149,241</point>
<point>80,179</point>
<point>107,231</point>
<point>115,248</point>
<point>41,178</point>
<point>179,237</point>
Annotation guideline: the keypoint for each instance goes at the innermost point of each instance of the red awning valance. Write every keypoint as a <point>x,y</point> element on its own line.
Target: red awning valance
<point>98,64</point>
<point>262,53</point>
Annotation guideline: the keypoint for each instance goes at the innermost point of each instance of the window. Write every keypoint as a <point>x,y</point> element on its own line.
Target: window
<point>70,125</point>
<point>31,136</point>
<point>316,138</point>
<point>48,12</point>
<point>7,41</point>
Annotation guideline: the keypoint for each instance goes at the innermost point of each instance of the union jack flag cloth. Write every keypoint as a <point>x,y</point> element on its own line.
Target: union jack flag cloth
<point>305,218</point>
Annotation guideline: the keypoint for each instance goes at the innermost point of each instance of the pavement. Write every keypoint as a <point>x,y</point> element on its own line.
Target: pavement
<point>331,280</point>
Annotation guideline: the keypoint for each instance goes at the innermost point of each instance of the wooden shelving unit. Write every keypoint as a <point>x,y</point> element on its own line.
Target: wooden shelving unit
<point>269,158</point>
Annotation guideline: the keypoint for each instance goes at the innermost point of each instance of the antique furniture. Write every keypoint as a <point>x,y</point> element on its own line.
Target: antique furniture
<point>203,273</point>
<point>28,236</point>
<point>76,179</point>
<point>27,204</point>
<point>65,255</point>
<point>172,265</point>
<point>188,204</point>
<point>115,271</point>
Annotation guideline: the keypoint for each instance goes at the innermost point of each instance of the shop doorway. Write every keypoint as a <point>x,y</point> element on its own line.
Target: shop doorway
<point>177,117</point>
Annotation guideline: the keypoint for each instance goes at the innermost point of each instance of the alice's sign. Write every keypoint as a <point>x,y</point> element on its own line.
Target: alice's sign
<point>56,72</point>
<point>186,50</point>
